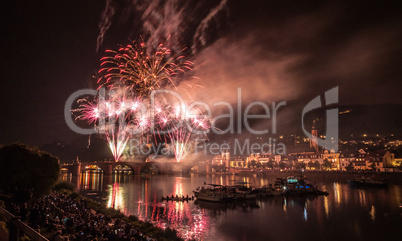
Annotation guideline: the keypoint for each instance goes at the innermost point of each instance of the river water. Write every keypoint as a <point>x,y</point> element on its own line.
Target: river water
<point>345,214</point>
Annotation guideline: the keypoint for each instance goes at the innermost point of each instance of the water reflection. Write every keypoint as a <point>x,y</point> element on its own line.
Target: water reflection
<point>66,176</point>
<point>357,211</point>
<point>284,205</point>
<point>372,213</point>
<point>326,206</point>
<point>362,197</point>
<point>116,199</point>
<point>305,213</point>
<point>92,180</point>
<point>338,193</point>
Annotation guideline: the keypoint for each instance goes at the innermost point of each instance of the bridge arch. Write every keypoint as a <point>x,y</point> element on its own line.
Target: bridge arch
<point>65,169</point>
<point>66,173</point>
<point>123,168</point>
<point>92,167</point>
<point>150,168</point>
<point>73,169</point>
<point>108,168</point>
<point>193,169</point>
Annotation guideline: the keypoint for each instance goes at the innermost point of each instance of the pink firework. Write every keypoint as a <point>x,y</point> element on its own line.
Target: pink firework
<point>182,127</point>
<point>141,70</point>
<point>88,111</point>
<point>118,117</point>
<point>131,73</point>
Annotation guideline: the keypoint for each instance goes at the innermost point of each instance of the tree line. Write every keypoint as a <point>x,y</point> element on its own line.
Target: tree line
<point>26,172</point>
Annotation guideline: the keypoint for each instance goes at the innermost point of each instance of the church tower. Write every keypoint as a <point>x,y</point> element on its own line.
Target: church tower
<point>313,140</point>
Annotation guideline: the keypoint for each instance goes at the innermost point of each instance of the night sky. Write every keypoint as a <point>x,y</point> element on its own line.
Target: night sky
<point>273,50</point>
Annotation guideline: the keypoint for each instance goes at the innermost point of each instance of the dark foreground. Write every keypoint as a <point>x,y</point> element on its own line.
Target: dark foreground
<point>67,216</point>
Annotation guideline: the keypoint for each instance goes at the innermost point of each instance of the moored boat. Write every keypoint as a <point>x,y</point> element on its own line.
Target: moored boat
<point>368,182</point>
<point>297,185</point>
<point>213,193</point>
<point>270,190</point>
<point>294,185</point>
<point>244,190</point>
<point>177,198</point>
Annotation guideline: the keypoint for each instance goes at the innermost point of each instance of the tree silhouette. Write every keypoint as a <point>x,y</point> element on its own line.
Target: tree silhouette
<point>282,165</point>
<point>317,165</point>
<point>271,164</point>
<point>300,165</point>
<point>349,167</point>
<point>27,172</point>
<point>326,164</point>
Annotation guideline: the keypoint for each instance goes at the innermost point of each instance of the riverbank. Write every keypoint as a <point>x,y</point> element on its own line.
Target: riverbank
<point>147,229</point>
<point>391,177</point>
<point>339,176</point>
<point>67,215</point>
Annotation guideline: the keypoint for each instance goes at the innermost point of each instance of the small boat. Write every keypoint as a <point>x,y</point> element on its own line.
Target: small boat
<point>265,191</point>
<point>279,187</point>
<point>368,182</point>
<point>245,194</point>
<point>297,185</point>
<point>213,193</point>
<point>244,190</point>
<point>91,194</point>
<point>177,198</point>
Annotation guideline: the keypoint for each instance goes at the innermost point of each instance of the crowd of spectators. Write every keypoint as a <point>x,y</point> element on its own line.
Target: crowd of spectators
<point>65,218</point>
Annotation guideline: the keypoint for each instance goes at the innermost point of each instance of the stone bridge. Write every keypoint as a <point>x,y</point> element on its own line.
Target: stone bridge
<point>137,167</point>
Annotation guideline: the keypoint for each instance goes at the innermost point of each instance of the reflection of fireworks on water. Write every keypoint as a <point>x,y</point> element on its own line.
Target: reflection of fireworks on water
<point>116,198</point>
<point>191,223</point>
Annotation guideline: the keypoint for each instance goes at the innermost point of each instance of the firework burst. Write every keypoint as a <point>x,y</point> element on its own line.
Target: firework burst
<point>181,126</point>
<point>129,75</point>
<point>118,117</point>
<point>140,69</point>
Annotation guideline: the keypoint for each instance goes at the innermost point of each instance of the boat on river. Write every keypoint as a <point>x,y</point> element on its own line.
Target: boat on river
<point>177,198</point>
<point>213,193</point>
<point>297,185</point>
<point>270,190</point>
<point>293,185</point>
<point>368,182</point>
<point>244,190</point>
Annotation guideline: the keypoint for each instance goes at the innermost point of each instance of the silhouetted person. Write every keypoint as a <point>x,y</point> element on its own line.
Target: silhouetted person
<point>23,212</point>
